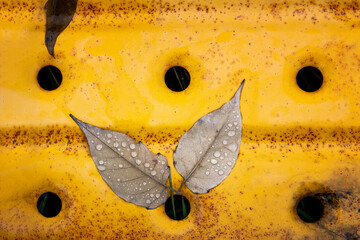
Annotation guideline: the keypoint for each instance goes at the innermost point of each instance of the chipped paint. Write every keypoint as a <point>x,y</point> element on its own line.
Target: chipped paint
<point>113,58</point>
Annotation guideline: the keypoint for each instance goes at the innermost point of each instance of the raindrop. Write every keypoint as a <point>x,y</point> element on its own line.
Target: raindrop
<point>162,162</point>
<point>109,135</point>
<point>138,162</point>
<point>116,144</point>
<point>157,195</point>
<point>147,164</point>
<point>101,162</point>
<point>229,124</point>
<point>97,133</point>
<point>151,195</point>
<point>229,163</point>
<point>235,123</point>
<point>120,165</point>
<point>118,179</point>
<point>123,144</point>
<point>101,168</point>
<point>231,133</point>
<point>148,201</point>
<point>132,146</point>
<point>207,172</point>
<point>153,172</point>
<point>221,172</point>
<point>108,141</point>
<point>232,147</point>
<point>209,139</point>
<point>214,161</point>
<point>217,154</point>
<point>144,183</point>
<point>225,142</point>
<point>92,141</point>
<point>99,147</point>
<point>133,154</point>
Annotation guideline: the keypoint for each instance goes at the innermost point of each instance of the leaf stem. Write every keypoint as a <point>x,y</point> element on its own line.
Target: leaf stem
<point>43,203</point>
<point>172,196</point>
<point>183,206</point>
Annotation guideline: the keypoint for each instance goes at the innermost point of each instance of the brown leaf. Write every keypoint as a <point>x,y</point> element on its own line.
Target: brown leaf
<point>207,152</point>
<point>133,172</point>
<point>59,14</point>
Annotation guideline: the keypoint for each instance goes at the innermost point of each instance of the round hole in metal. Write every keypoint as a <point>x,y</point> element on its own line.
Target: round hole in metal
<point>177,79</point>
<point>179,210</point>
<point>49,78</point>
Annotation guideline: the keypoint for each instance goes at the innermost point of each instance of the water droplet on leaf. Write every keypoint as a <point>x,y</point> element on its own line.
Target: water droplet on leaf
<point>231,133</point>
<point>101,168</point>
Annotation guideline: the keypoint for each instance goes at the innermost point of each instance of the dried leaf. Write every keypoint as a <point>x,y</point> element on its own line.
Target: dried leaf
<point>133,172</point>
<point>59,14</point>
<point>207,152</point>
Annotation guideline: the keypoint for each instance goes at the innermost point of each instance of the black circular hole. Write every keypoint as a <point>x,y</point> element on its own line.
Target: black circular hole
<point>177,79</point>
<point>309,79</point>
<point>310,209</point>
<point>49,78</point>
<point>49,204</point>
<point>179,210</point>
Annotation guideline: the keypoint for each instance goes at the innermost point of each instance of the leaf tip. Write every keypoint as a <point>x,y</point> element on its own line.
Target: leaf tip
<point>238,92</point>
<point>72,116</point>
<point>240,87</point>
<point>77,121</point>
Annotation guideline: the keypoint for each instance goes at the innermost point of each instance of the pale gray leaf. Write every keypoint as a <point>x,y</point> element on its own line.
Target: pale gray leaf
<point>133,172</point>
<point>207,152</point>
<point>59,14</point>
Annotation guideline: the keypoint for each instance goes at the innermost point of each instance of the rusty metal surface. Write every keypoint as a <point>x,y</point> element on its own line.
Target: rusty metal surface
<point>113,57</point>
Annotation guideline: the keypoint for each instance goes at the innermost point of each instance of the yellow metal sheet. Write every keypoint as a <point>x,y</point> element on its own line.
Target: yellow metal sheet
<point>113,57</point>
